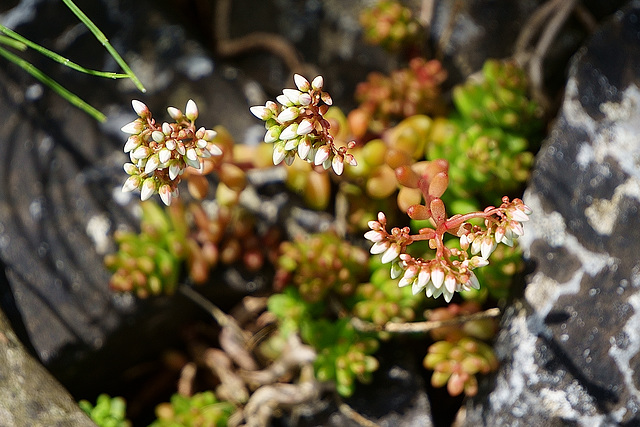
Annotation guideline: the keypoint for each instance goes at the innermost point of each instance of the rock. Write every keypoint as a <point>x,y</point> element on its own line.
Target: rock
<point>570,349</point>
<point>61,174</point>
<point>29,395</point>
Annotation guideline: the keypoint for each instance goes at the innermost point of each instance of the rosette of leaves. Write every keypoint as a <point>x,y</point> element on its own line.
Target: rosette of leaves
<point>390,25</point>
<point>107,412</point>
<point>386,100</point>
<point>344,354</point>
<point>457,364</point>
<point>499,99</point>
<point>200,410</point>
<point>321,263</point>
<point>149,262</point>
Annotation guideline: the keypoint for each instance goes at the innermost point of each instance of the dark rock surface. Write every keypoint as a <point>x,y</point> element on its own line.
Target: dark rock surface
<point>571,348</point>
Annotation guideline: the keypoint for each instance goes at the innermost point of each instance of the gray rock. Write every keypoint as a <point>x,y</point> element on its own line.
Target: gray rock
<point>29,395</point>
<point>570,349</point>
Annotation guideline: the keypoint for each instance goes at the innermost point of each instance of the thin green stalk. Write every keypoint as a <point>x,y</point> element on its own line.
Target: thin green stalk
<point>55,86</point>
<point>58,58</point>
<point>9,41</point>
<point>103,39</point>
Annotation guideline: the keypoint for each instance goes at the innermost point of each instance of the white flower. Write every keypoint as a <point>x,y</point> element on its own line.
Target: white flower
<point>165,194</point>
<point>437,277</point>
<point>289,132</point>
<point>374,236</point>
<point>292,94</point>
<point>379,247</point>
<point>304,146</point>
<point>450,283</point>
<point>302,83</point>
<point>192,110</point>
<point>321,155</point>
<point>273,134</point>
<point>261,112</point>
<point>423,280</point>
<point>278,154</point>
<point>391,253</point>
<point>157,136</point>
<point>519,214</point>
<point>131,183</point>
<point>174,170</point>
<point>487,247</point>
<point>337,164</point>
<point>152,164</point>
<point>317,83</point>
<point>288,114</point>
<point>174,113</point>
<point>148,189</point>
<point>409,277</point>
<point>304,127</point>
<point>132,143</point>
<point>133,128</point>
<point>396,270</point>
<point>139,107</point>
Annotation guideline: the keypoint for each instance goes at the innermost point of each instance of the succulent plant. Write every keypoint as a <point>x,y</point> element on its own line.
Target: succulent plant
<point>298,127</point>
<point>149,262</point>
<point>384,101</point>
<point>107,412</point>
<point>320,263</point>
<point>390,25</point>
<point>161,153</point>
<point>344,354</point>
<point>457,364</point>
<point>200,410</point>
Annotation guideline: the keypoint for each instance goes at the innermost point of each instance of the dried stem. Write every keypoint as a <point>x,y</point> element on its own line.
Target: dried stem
<point>422,327</point>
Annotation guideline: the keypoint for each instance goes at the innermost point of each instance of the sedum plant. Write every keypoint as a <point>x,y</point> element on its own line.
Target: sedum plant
<point>160,153</point>
<point>296,126</point>
<point>451,269</point>
<point>107,412</point>
<point>200,410</point>
<point>390,25</point>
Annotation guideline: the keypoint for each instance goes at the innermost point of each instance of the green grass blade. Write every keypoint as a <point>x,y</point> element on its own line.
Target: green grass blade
<point>55,86</point>
<point>58,58</point>
<point>103,39</point>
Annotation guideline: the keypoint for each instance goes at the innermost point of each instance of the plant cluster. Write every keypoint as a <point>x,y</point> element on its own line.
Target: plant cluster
<point>385,100</point>
<point>297,126</point>
<point>343,353</point>
<point>460,352</point>
<point>107,412</point>
<point>319,264</point>
<point>201,409</point>
<point>150,262</point>
<point>390,25</point>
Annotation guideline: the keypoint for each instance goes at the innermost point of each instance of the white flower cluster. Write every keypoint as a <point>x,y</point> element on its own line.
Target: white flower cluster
<point>297,126</point>
<point>448,274</point>
<point>160,154</point>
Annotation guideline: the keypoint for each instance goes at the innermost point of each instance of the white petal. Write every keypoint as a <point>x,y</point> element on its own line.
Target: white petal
<point>288,114</point>
<point>303,148</point>
<point>450,283</point>
<point>379,247</point>
<point>132,183</point>
<point>131,144</point>
<point>292,95</point>
<point>261,112</point>
<point>157,136</point>
<point>447,295</point>
<point>139,107</point>
<point>338,165</point>
<point>304,127</point>
<point>487,247</point>
<point>289,132</point>
<point>174,113</point>
<point>165,194</point>
<point>374,236</point>
<point>174,170</point>
<point>148,188</point>
<point>518,215</point>
<point>164,155</point>
<point>214,150</point>
<point>282,99</point>
<point>302,83</point>
<point>396,270</point>
<point>192,110</point>
<point>140,152</point>
<point>317,83</point>
<point>152,164</point>
<point>321,155</point>
<point>132,128</point>
<point>278,155</point>
<point>166,128</point>
<point>305,99</point>
<point>390,254</point>
<point>273,134</point>
<point>437,277</point>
